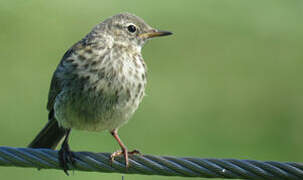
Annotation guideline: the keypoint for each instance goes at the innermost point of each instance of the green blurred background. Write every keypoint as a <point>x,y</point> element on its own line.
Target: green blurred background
<point>227,84</point>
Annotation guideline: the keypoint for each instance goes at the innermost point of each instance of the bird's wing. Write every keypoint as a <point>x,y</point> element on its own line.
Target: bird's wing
<point>56,83</point>
<point>55,87</point>
<point>54,90</point>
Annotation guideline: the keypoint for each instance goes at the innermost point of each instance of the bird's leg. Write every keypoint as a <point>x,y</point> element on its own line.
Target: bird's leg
<point>123,150</point>
<point>65,154</point>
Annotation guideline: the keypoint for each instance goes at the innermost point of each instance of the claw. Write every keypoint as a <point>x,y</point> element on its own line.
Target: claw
<point>135,151</point>
<point>66,157</point>
<point>113,155</point>
<point>125,153</point>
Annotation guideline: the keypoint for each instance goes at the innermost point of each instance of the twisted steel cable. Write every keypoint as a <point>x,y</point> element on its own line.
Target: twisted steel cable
<point>156,165</point>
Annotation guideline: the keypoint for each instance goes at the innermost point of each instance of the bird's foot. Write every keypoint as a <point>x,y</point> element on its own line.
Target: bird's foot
<point>124,152</point>
<point>66,157</point>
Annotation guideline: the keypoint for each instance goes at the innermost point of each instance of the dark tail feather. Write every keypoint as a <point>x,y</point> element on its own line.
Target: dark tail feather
<point>49,137</point>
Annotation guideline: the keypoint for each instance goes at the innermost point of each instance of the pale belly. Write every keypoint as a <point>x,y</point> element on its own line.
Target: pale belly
<point>96,112</point>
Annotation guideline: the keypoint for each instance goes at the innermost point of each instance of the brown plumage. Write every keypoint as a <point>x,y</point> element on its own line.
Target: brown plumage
<point>98,84</point>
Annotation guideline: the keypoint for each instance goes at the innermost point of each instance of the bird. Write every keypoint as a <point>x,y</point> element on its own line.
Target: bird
<point>98,85</point>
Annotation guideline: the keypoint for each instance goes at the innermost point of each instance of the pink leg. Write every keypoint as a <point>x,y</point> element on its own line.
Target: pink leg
<point>123,148</point>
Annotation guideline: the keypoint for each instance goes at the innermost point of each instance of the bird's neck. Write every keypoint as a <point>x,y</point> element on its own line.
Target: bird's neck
<point>127,46</point>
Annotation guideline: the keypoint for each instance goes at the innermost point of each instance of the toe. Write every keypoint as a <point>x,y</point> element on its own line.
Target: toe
<point>135,151</point>
<point>65,158</point>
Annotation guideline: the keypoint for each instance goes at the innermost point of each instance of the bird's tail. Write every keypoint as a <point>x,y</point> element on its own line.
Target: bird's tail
<point>49,137</point>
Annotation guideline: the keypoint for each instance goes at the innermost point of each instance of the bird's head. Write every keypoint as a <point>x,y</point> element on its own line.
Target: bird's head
<point>129,30</point>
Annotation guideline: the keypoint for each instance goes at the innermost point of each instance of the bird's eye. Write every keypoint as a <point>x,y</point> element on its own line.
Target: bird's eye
<point>131,28</point>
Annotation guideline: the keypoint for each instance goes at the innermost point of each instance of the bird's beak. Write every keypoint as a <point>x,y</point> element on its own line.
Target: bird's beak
<point>154,33</point>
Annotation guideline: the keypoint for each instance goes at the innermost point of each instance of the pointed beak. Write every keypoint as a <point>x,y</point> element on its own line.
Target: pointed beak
<point>154,33</point>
